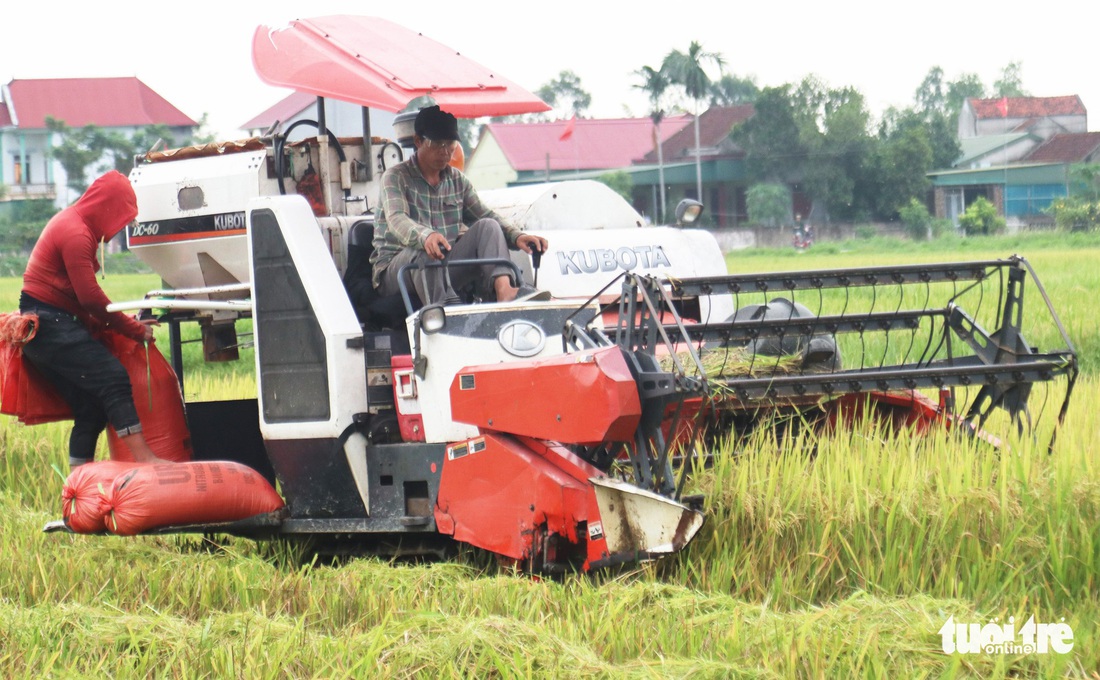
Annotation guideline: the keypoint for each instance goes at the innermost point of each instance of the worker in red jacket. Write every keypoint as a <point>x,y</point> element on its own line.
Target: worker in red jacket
<point>60,286</point>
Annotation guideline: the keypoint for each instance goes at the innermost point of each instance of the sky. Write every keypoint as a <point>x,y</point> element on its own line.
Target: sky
<point>199,56</point>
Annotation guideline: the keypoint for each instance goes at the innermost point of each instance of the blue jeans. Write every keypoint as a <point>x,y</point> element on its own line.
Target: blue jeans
<point>88,377</point>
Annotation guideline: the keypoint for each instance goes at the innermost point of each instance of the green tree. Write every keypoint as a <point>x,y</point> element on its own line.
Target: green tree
<point>981,218</point>
<point>19,229</point>
<point>768,204</point>
<point>655,84</point>
<point>900,161</point>
<point>1010,84</point>
<point>773,147</point>
<point>688,71</point>
<point>936,110</point>
<point>834,130</point>
<point>76,150</point>
<point>566,94</point>
<point>730,90</point>
<point>92,147</point>
<point>931,95</point>
<point>620,182</point>
<point>203,134</point>
<point>966,86</point>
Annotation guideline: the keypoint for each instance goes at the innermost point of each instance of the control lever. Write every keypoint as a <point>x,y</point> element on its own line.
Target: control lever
<point>536,262</point>
<point>452,297</point>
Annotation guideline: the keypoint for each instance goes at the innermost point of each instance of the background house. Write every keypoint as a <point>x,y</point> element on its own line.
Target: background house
<point>122,105</point>
<point>1016,153</point>
<point>344,119</point>
<point>721,161</point>
<point>1043,116</point>
<point>510,154</point>
<point>522,153</point>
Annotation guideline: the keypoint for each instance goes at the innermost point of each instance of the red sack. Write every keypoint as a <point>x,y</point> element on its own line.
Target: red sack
<point>157,398</point>
<point>84,494</point>
<point>24,393</point>
<point>199,492</point>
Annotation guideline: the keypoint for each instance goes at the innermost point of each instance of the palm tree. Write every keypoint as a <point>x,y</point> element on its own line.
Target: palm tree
<point>654,84</point>
<point>686,70</point>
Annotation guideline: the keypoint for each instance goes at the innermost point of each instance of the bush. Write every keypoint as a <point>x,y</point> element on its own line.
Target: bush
<point>19,230</point>
<point>1073,214</point>
<point>768,204</point>
<point>917,220</point>
<point>981,218</point>
<point>866,232</point>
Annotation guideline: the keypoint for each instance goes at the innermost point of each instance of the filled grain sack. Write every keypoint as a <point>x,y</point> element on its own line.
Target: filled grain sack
<point>84,494</point>
<point>158,400</point>
<point>198,492</point>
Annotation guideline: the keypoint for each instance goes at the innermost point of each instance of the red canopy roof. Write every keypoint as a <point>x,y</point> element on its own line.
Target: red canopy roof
<point>377,63</point>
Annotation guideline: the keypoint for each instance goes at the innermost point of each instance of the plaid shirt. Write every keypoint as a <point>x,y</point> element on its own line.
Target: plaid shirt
<point>411,209</point>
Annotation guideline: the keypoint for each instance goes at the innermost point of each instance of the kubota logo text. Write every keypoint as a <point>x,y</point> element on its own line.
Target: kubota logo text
<point>606,259</point>
<point>998,638</point>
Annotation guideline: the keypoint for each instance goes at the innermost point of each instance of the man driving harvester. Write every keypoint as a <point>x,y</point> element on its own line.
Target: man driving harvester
<point>429,211</point>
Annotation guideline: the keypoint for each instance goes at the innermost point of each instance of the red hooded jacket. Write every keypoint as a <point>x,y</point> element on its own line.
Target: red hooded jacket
<point>62,268</point>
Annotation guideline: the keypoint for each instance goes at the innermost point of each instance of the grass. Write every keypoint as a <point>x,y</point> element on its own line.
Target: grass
<point>838,556</point>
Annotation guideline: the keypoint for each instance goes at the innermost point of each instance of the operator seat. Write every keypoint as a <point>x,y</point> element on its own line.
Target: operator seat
<point>375,311</point>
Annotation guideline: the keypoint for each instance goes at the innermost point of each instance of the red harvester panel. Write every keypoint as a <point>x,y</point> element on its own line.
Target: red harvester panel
<point>498,493</point>
<point>581,398</point>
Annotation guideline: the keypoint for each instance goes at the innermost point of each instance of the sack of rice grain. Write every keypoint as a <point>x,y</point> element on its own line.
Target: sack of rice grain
<point>157,398</point>
<point>84,494</point>
<point>198,492</point>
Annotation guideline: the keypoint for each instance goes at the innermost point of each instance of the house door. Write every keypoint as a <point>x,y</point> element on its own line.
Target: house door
<point>954,205</point>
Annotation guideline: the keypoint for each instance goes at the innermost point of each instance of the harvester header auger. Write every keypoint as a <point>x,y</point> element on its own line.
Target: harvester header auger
<point>842,341</point>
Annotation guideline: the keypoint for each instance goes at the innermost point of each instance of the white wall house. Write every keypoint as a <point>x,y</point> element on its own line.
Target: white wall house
<point>123,105</point>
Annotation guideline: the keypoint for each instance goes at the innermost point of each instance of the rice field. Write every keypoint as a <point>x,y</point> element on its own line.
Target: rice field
<point>834,556</point>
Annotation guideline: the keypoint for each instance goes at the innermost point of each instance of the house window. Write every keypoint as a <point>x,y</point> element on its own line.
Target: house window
<point>1031,199</point>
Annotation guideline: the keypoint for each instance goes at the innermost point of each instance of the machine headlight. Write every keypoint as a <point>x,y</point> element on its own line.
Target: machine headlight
<point>433,319</point>
<point>688,211</point>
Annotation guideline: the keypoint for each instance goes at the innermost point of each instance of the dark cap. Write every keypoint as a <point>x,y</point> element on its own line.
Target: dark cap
<point>435,123</point>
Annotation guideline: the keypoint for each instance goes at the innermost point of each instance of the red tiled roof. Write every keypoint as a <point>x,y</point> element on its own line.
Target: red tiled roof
<point>5,119</point>
<point>1028,107</point>
<point>595,143</point>
<point>282,110</point>
<point>106,102</point>
<point>1066,148</point>
<point>714,126</point>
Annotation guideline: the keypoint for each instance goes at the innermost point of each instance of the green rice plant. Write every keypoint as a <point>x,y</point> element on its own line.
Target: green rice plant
<point>825,554</point>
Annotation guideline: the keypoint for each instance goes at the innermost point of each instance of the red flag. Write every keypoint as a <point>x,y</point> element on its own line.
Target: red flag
<point>568,129</point>
<point>1002,107</point>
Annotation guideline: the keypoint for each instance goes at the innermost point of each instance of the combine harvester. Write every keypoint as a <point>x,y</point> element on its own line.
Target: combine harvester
<point>545,432</point>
